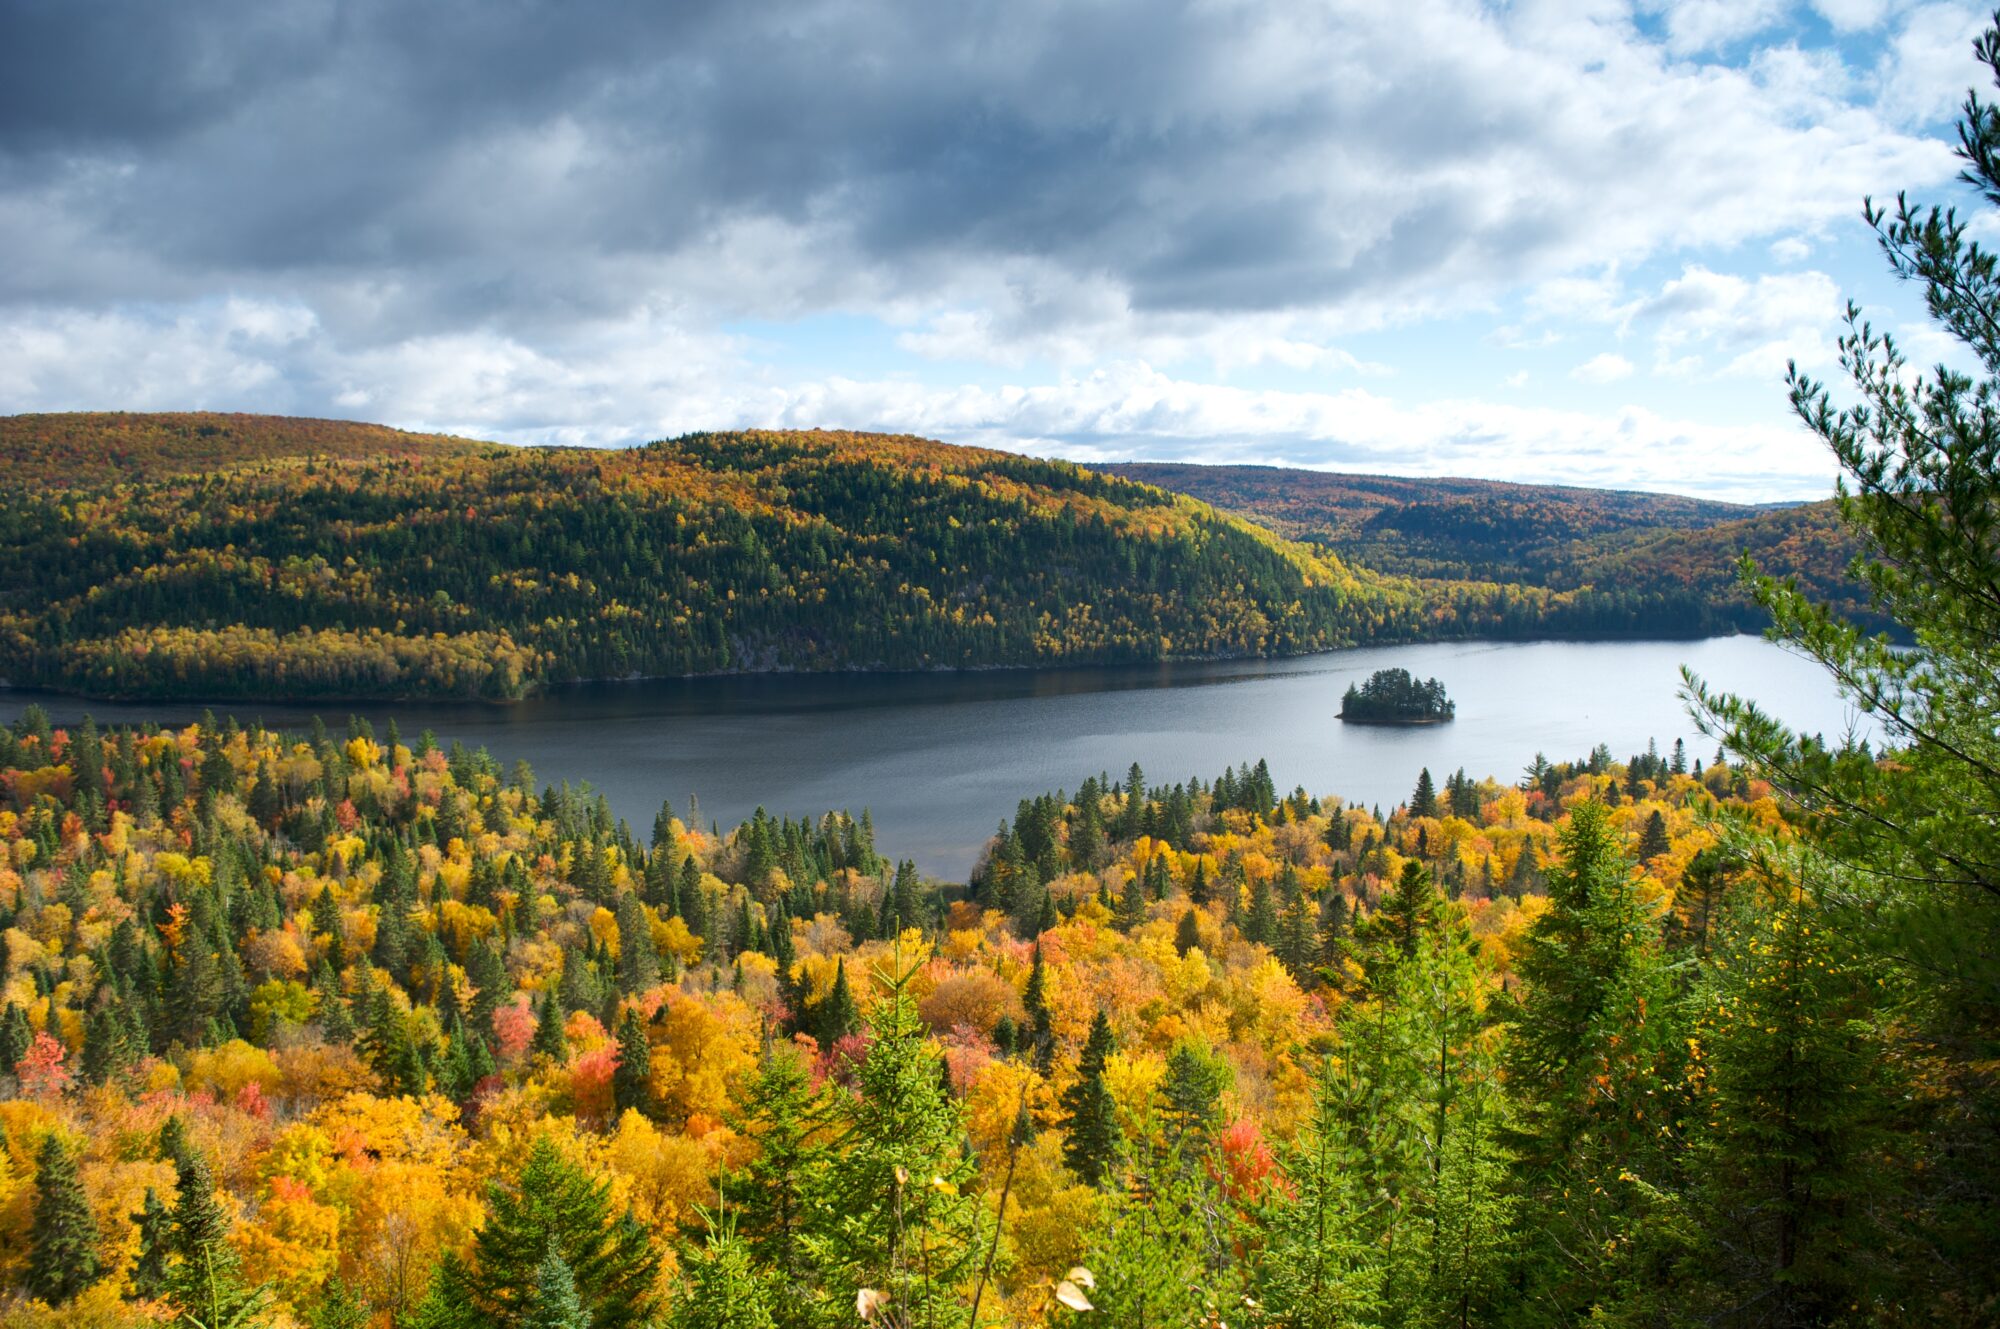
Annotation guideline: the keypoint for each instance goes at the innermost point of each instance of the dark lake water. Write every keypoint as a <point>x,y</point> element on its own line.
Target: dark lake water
<point>940,758</point>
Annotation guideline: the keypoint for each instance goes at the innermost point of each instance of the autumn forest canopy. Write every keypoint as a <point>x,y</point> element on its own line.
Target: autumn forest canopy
<point>334,1026</point>
<point>216,556</point>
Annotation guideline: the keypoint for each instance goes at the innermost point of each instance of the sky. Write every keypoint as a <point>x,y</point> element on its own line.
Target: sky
<point>1572,242</point>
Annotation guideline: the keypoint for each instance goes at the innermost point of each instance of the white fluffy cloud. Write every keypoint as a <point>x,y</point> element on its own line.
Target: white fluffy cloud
<point>1604,367</point>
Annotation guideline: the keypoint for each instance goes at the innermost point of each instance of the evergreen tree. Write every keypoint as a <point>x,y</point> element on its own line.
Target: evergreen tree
<point>1904,854</point>
<point>1322,1264</point>
<point>1594,1053</point>
<point>1785,1149</point>
<point>1260,922</point>
<point>724,1286</point>
<point>1187,932</point>
<point>550,1039</point>
<point>156,1224</point>
<point>1653,841</point>
<point>337,1308</point>
<point>780,1112</point>
<point>555,1207</point>
<point>632,1082</point>
<point>1090,1121</point>
<point>836,1016</point>
<point>1198,892</point>
<point>205,1284</point>
<point>556,1303</point>
<point>63,1240</point>
<point>446,1303</point>
<point>1132,903</point>
<point>1191,1096</point>
<point>1424,802</point>
<point>892,1212</point>
<point>1407,911</point>
<point>1040,1030</point>
<point>16,1036</point>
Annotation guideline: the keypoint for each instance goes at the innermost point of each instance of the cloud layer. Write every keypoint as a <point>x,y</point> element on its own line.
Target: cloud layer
<point>555,221</point>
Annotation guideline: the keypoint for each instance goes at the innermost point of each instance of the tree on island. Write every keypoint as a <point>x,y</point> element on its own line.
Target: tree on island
<point>1392,696</point>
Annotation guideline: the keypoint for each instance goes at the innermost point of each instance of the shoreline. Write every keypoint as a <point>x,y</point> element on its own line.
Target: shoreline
<point>554,690</point>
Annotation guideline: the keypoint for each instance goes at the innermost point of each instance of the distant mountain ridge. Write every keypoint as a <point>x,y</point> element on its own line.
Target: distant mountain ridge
<point>228,556</point>
<point>1595,561</point>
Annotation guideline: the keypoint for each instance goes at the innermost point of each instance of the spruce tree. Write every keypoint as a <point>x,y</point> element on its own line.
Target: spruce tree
<point>632,1082</point>
<point>550,1039</point>
<point>1653,841</point>
<point>156,1242</point>
<point>724,1286</point>
<point>63,1258</point>
<point>337,1308</point>
<point>892,1211</point>
<point>1904,852</point>
<point>555,1206</point>
<point>1424,802</point>
<point>1090,1121</point>
<point>1040,1029</point>
<point>781,1113</point>
<point>1191,1096</point>
<point>556,1303</point>
<point>1596,1044</point>
<point>205,1284</point>
<point>1785,1150</point>
<point>836,1016</point>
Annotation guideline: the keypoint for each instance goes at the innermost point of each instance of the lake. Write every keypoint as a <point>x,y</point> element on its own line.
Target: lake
<point>940,758</point>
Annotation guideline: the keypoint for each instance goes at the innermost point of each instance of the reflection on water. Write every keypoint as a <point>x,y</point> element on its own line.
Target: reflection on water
<point>939,758</point>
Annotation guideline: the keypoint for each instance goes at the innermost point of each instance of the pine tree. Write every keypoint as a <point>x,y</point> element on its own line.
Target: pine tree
<point>205,1283</point>
<point>1323,1265</point>
<point>1260,922</point>
<point>447,1298</point>
<point>1904,854</point>
<point>1132,904</point>
<point>1786,1146</point>
<point>1090,1121</point>
<point>63,1240</point>
<point>1187,932</point>
<point>1407,911</point>
<point>1191,1096</point>
<point>555,1206</point>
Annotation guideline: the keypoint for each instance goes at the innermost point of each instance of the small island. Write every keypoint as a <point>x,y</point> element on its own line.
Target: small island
<point>1392,696</point>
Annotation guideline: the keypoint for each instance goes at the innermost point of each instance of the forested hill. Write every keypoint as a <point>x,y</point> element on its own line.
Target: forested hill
<point>90,448</point>
<point>1586,562</point>
<point>241,556</point>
